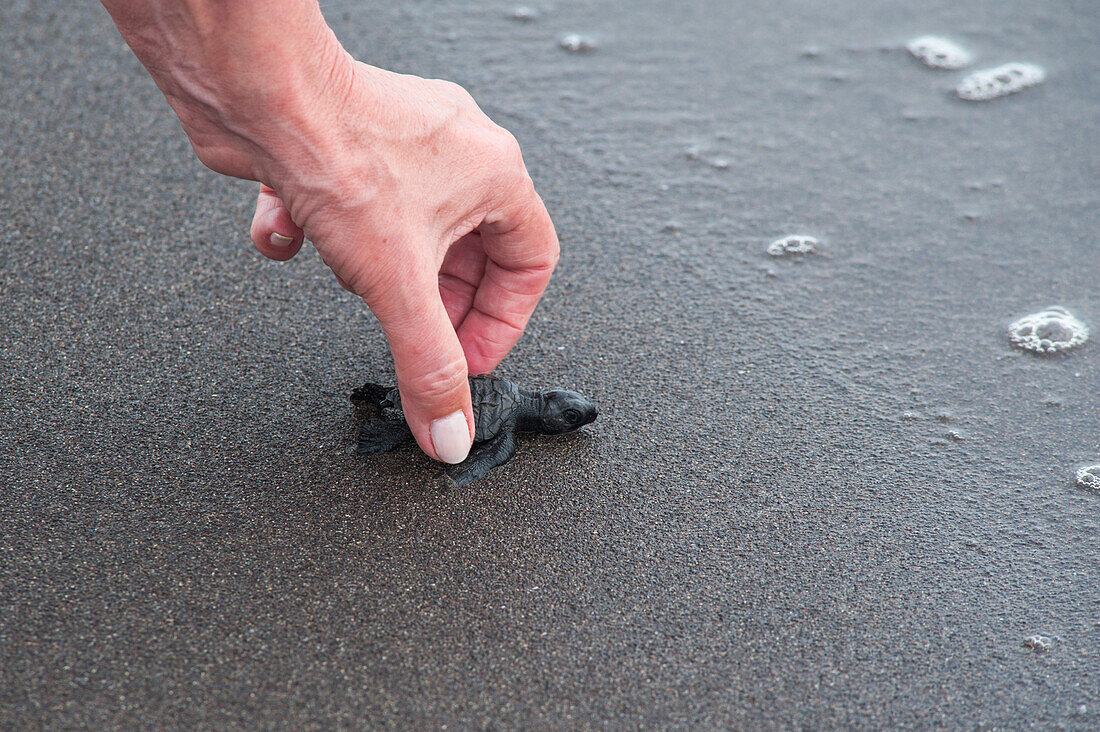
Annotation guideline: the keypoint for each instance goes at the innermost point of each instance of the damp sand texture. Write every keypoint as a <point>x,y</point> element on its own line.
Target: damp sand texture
<point>825,490</point>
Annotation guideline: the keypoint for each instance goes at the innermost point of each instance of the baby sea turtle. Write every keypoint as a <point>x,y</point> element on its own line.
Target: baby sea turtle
<point>501,408</point>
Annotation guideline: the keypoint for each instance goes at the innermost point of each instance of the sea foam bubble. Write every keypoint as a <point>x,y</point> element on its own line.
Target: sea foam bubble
<point>997,82</point>
<point>578,43</point>
<point>794,244</point>
<point>939,53</point>
<point>1089,477</point>
<point>524,14</point>
<point>1047,331</point>
<point>1039,643</point>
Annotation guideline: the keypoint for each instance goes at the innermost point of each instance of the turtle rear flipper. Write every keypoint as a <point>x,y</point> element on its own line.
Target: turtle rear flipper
<point>381,435</point>
<point>483,458</point>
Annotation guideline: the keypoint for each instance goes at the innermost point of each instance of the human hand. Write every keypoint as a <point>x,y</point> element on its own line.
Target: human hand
<point>416,200</point>
<point>423,207</point>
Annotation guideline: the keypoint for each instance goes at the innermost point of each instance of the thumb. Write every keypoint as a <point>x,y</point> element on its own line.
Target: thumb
<point>273,231</point>
<point>431,369</point>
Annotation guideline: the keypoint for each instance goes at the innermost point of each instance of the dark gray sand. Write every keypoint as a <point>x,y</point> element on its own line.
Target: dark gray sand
<point>822,490</point>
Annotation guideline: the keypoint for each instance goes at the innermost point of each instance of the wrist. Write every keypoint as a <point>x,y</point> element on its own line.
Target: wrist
<point>273,106</point>
<point>249,81</point>
<point>284,117</point>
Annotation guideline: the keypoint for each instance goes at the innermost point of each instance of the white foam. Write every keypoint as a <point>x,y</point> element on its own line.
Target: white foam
<point>1047,331</point>
<point>1089,477</point>
<point>997,82</point>
<point>577,43</point>
<point>940,53</point>
<point>524,14</point>
<point>794,244</point>
<point>1039,643</point>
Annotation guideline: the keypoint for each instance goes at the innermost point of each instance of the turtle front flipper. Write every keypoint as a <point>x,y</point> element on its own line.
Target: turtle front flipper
<point>372,394</point>
<point>381,435</point>
<point>483,458</point>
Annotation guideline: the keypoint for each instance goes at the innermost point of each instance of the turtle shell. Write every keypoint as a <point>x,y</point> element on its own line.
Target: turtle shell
<point>495,402</point>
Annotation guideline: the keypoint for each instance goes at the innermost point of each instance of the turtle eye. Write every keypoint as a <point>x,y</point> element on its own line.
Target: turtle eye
<point>572,415</point>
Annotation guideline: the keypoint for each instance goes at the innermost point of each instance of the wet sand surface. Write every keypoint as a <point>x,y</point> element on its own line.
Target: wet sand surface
<point>823,490</point>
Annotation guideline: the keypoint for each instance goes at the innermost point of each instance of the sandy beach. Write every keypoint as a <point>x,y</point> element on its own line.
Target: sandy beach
<point>825,490</point>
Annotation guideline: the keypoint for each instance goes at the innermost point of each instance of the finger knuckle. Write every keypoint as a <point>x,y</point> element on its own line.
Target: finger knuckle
<point>457,92</point>
<point>508,149</point>
<point>506,168</point>
<point>436,382</point>
<point>553,254</point>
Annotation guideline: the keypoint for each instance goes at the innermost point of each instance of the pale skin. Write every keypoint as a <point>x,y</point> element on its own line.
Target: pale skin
<point>412,196</point>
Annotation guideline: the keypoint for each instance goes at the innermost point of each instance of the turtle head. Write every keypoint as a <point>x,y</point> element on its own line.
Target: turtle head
<point>564,411</point>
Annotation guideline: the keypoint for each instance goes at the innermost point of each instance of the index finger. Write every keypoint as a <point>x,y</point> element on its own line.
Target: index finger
<point>521,250</point>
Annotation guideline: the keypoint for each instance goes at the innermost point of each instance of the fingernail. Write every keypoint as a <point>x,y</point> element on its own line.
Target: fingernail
<point>280,241</point>
<point>451,437</point>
